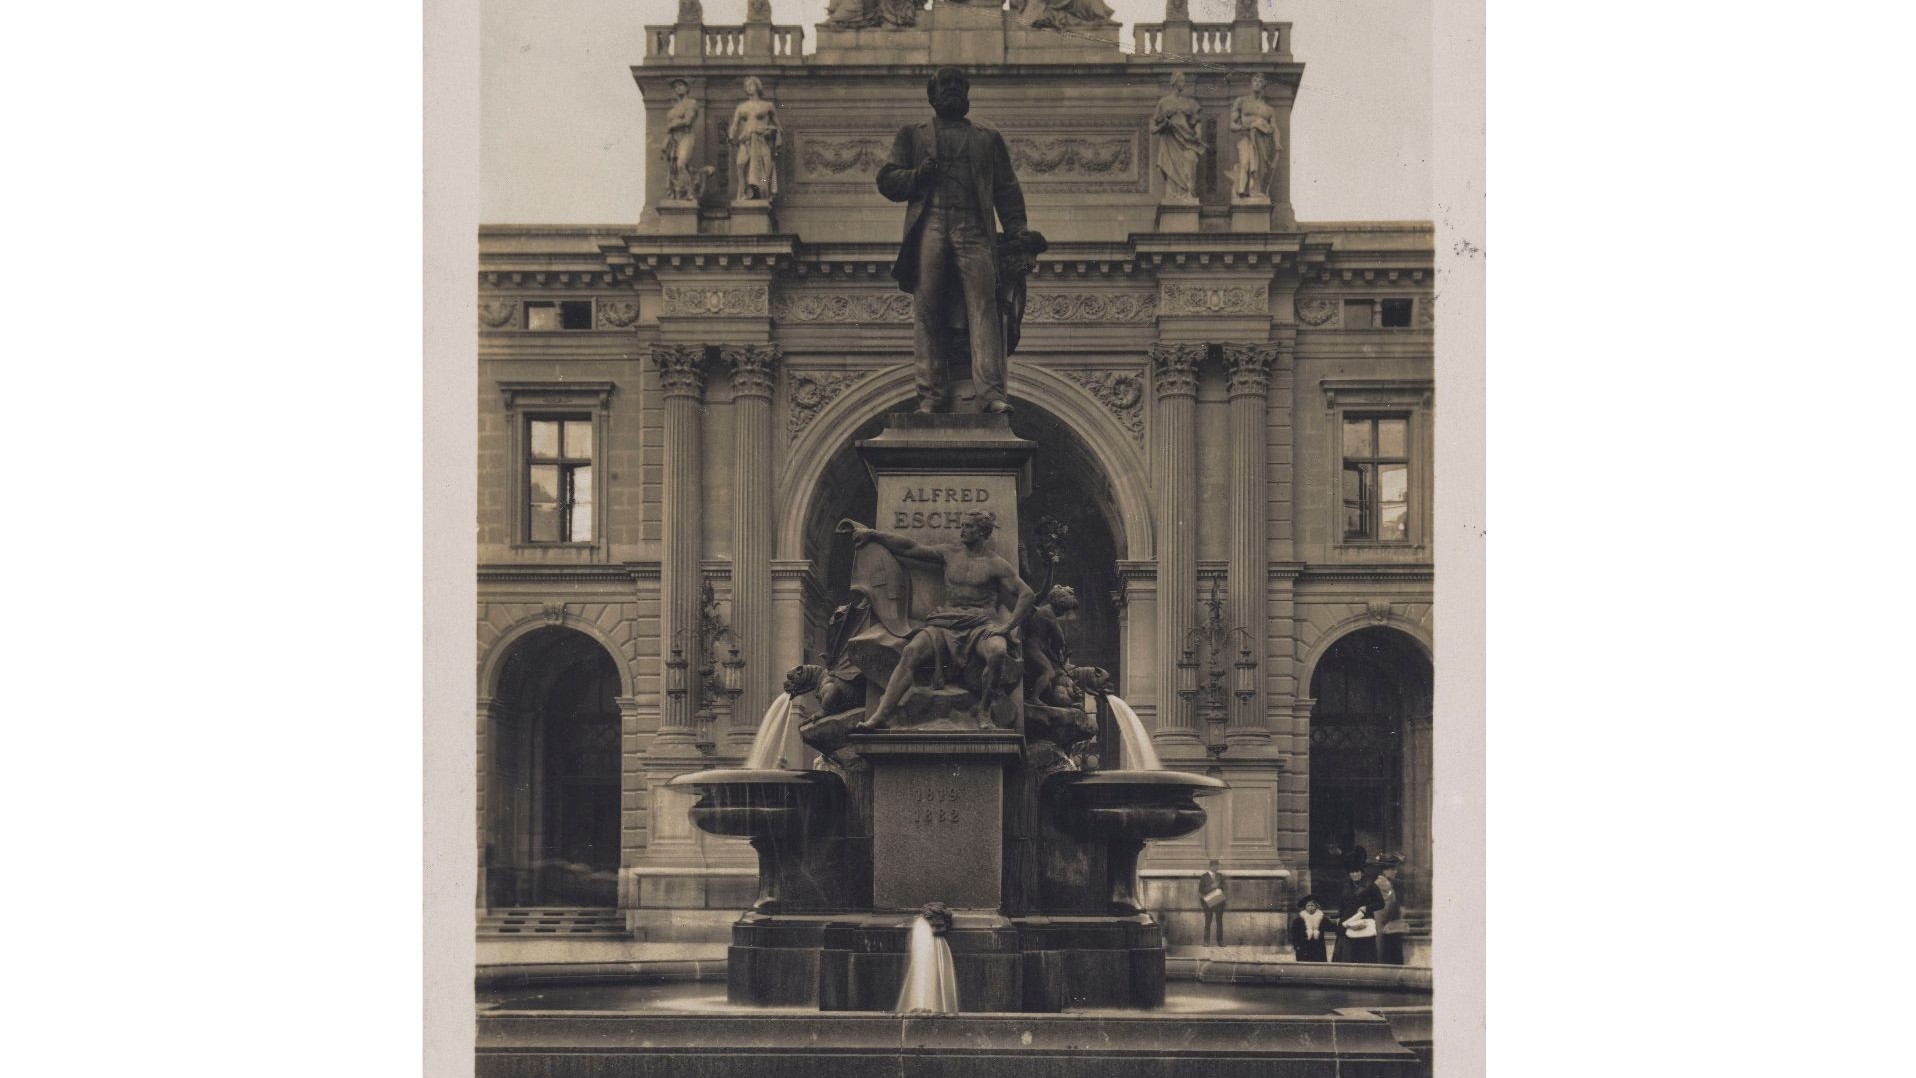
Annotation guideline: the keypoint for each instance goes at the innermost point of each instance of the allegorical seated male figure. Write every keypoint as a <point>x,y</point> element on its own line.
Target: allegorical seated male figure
<point>966,632</point>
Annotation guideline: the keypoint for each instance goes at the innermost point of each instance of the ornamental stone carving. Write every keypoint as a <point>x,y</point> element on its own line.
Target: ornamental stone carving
<point>1250,367</point>
<point>618,313</point>
<point>1215,299</point>
<point>711,301</point>
<point>834,157</point>
<point>752,366</point>
<point>1091,307</point>
<point>1175,367</point>
<point>1071,156</point>
<point>681,369</point>
<point>1315,310</point>
<point>856,308</point>
<point>1121,393</point>
<point>812,390</point>
<point>1426,310</point>
<point>498,315</point>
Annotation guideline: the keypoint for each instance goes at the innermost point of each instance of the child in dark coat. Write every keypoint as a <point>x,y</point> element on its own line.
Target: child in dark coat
<point>1307,930</point>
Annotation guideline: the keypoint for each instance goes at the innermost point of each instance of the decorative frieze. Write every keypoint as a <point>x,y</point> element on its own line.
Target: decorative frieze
<point>618,313</point>
<point>1215,299</point>
<point>1095,158</point>
<point>1132,307</point>
<point>1121,393</point>
<point>843,307</point>
<point>828,158</point>
<point>716,300</point>
<point>498,314</point>
<point>810,391</point>
<point>752,366</point>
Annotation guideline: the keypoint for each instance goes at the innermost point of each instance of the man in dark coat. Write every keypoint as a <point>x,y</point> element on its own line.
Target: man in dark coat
<point>957,181</point>
<point>1213,895</point>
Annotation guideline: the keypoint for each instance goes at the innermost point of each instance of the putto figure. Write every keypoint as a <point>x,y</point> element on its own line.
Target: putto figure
<point>680,148</point>
<point>957,179</point>
<point>755,137</point>
<point>966,633</point>
<point>1254,122</point>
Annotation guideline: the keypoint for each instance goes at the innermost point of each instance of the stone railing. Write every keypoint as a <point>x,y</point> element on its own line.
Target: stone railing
<point>1271,39</point>
<point>753,41</point>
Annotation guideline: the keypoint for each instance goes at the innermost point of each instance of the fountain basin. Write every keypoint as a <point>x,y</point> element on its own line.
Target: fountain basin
<point>1136,805</point>
<point>754,802</point>
<point>780,811</point>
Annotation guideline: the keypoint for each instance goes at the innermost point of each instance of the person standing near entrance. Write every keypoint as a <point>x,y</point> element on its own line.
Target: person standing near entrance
<point>1213,892</point>
<point>1307,931</point>
<point>1391,926</point>
<point>1356,905</point>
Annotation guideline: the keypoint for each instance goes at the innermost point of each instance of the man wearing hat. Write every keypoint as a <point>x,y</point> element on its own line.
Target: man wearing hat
<point>1357,907</point>
<point>1308,930</point>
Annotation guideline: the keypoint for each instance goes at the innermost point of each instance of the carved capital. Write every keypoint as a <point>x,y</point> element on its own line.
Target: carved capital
<point>681,370</point>
<point>752,366</point>
<point>1250,366</point>
<point>1175,367</point>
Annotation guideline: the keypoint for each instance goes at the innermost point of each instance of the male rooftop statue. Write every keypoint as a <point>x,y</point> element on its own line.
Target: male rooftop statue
<point>965,632</point>
<point>956,176</point>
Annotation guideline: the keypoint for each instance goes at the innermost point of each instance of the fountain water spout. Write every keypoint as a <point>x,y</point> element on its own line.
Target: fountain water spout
<point>931,981</point>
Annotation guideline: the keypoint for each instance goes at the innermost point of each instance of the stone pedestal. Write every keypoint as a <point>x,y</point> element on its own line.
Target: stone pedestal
<point>931,470</point>
<point>1251,214</point>
<point>938,816</point>
<point>677,217</point>
<point>1178,216</point>
<point>752,217</point>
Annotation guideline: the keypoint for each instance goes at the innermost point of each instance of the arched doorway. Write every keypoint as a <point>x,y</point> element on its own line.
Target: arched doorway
<point>553,797</point>
<point>1370,756</point>
<point>1069,486</point>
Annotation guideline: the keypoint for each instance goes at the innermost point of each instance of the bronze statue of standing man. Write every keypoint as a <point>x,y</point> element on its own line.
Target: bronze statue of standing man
<point>956,177</point>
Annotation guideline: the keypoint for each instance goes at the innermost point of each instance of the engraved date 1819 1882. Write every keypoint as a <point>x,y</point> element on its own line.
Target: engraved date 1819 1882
<point>927,816</point>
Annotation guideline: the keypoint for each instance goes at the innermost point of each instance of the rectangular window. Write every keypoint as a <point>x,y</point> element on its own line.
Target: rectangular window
<point>1357,314</point>
<point>559,479</point>
<point>1376,492</point>
<point>564,314</point>
<point>1396,313</point>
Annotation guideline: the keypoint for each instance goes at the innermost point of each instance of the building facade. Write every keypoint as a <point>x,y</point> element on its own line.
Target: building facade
<point>1233,406</point>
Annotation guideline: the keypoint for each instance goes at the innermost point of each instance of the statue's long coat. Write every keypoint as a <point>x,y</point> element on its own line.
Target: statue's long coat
<point>993,181</point>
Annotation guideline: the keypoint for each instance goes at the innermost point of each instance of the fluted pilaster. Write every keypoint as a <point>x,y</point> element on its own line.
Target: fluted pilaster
<point>682,386</point>
<point>1250,367</point>
<point>1174,370</point>
<point>752,367</point>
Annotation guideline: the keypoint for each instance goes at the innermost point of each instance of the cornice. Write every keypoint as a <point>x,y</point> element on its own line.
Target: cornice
<point>624,572</point>
<point>515,390</point>
<point>1305,572</point>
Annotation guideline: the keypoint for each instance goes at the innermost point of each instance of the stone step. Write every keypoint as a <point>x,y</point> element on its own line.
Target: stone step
<point>554,921</point>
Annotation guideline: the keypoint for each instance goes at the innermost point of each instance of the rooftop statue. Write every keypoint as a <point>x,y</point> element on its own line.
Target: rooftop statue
<point>957,179</point>
<point>1254,122</point>
<point>755,138</point>
<point>684,179</point>
<point>1176,143</point>
<point>858,14</point>
<point>1062,14</point>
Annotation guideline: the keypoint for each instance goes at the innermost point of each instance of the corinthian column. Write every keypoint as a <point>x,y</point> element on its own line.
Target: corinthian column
<point>752,466</point>
<point>1250,367</point>
<point>682,384</point>
<point>1174,455</point>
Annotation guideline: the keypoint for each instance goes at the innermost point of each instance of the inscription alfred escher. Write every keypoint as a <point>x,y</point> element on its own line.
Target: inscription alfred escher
<point>921,506</point>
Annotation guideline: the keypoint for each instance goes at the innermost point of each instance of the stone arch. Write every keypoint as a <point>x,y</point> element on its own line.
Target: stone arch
<point>493,663</point>
<point>1418,634</point>
<point>1120,456</point>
